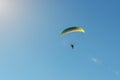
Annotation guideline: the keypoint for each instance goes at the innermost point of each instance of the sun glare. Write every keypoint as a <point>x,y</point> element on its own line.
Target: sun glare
<point>11,11</point>
<point>6,9</point>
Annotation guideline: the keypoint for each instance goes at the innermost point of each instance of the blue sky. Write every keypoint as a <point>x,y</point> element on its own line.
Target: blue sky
<point>33,49</point>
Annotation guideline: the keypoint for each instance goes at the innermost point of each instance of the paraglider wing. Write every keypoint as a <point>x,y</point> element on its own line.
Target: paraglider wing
<point>72,29</point>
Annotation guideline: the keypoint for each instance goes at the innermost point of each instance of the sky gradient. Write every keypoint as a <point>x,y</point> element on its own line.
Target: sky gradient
<point>31,47</point>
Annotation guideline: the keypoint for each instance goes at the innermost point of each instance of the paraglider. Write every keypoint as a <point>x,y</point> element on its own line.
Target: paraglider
<point>72,46</point>
<point>72,29</point>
